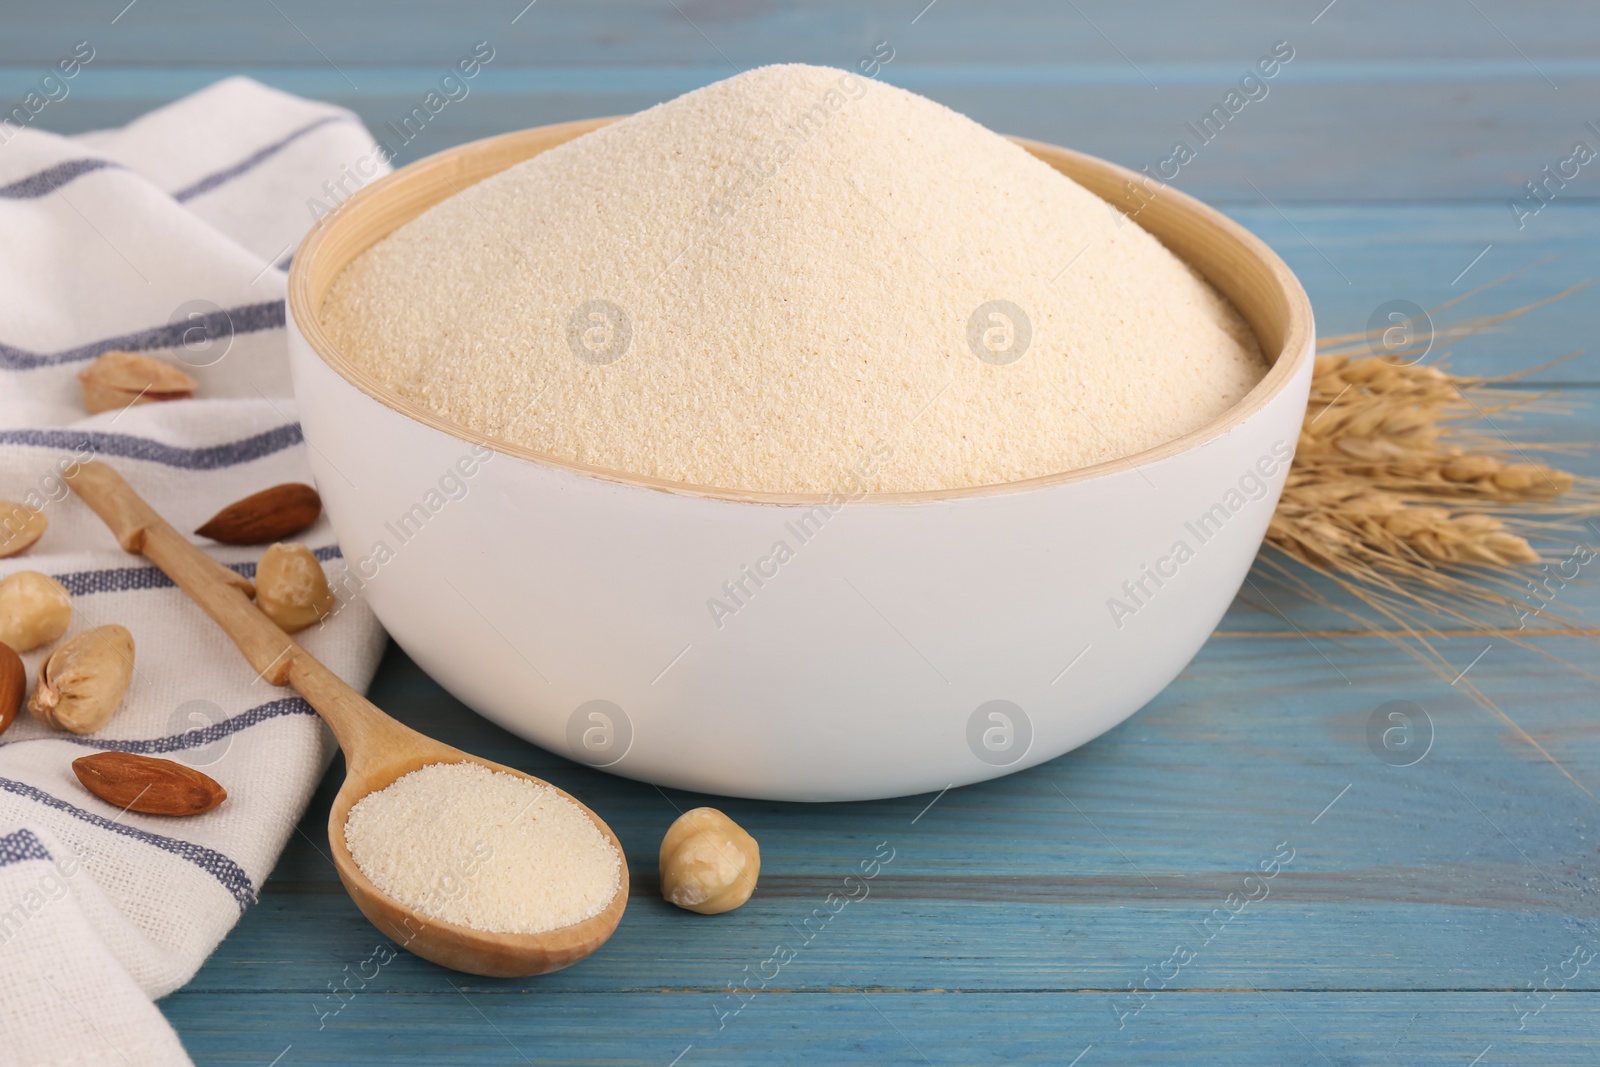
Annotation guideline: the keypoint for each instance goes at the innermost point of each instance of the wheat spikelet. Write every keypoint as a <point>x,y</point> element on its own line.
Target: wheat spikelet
<point>1406,494</point>
<point>1408,498</point>
<point>1393,475</point>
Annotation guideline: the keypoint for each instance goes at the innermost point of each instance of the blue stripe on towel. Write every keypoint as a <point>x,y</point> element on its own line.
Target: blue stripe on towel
<point>200,736</point>
<point>21,845</point>
<point>133,579</point>
<point>248,318</point>
<point>45,182</point>
<point>222,177</point>
<point>214,863</point>
<point>127,446</point>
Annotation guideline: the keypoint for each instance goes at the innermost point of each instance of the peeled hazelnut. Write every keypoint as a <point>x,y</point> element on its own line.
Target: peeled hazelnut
<point>83,682</point>
<point>34,610</point>
<point>708,863</point>
<point>20,527</point>
<point>291,589</point>
<point>119,379</point>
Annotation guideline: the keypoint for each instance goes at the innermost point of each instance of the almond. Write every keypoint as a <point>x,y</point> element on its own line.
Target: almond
<point>20,527</point>
<point>262,518</point>
<point>82,683</point>
<point>119,379</point>
<point>147,785</point>
<point>13,685</point>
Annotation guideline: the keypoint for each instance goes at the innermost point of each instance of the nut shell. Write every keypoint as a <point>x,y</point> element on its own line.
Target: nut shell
<point>20,527</point>
<point>264,517</point>
<point>83,682</point>
<point>709,864</point>
<point>34,610</point>
<point>290,587</point>
<point>119,379</point>
<point>144,784</point>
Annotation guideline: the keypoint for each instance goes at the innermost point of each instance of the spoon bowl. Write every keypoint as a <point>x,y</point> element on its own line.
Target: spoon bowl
<point>462,948</point>
<point>377,748</point>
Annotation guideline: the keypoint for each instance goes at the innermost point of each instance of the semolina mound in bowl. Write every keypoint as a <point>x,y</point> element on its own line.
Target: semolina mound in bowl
<point>790,281</point>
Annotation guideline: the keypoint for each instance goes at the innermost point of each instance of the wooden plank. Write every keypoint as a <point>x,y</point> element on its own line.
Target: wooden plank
<point>1011,885</point>
<point>1504,93</point>
<point>1354,258</point>
<point>872,1026</point>
<point>745,32</point>
<point>1343,132</point>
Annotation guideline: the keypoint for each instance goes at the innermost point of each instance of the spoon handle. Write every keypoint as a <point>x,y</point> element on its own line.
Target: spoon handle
<point>225,596</point>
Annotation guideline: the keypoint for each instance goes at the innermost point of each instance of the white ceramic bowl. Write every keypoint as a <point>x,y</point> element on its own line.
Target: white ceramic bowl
<point>921,640</point>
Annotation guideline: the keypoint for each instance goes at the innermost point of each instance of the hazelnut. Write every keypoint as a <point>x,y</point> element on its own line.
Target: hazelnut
<point>34,610</point>
<point>708,863</point>
<point>290,587</point>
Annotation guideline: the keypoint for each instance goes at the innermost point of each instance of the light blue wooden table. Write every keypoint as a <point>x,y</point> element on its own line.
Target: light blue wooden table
<point>1439,913</point>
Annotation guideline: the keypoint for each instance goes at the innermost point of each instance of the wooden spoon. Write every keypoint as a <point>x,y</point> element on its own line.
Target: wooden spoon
<point>377,749</point>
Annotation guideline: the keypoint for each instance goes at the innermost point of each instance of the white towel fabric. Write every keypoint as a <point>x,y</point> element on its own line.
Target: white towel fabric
<point>169,237</point>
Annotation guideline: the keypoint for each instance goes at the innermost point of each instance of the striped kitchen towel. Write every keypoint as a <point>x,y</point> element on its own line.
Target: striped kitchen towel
<point>169,236</point>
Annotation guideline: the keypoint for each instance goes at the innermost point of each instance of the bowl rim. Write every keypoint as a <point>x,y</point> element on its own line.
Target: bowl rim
<point>1122,188</point>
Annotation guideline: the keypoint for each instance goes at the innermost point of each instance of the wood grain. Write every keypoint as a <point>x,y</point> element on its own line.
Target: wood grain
<point>1060,883</point>
<point>726,33</point>
<point>1243,1028</point>
<point>1419,101</point>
